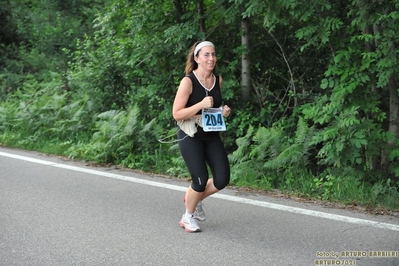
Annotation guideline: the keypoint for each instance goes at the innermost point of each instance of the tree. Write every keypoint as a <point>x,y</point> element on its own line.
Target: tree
<point>245,60</point>
<point>313,84</point>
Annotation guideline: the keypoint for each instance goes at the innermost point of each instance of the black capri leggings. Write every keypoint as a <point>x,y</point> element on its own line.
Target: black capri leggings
<point>205,148</point>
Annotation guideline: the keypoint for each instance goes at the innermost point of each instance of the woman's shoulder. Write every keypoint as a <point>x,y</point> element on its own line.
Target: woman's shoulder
<point>218,77</point>
<point>186,80</point>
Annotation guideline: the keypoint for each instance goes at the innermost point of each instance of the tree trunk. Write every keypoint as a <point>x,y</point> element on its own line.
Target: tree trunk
<point>178,10</point>
<point>201,12</point>
<point>393,107</point>
<point>393,119</point>
<point>245,61</point>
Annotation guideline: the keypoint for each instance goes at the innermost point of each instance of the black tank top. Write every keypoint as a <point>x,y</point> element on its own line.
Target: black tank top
<point>199,92</point>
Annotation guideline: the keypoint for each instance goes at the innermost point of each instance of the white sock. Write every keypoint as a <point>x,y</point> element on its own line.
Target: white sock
<point>189,214</point>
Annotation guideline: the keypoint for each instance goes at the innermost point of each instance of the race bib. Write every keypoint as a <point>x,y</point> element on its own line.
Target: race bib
<point>213,120</point>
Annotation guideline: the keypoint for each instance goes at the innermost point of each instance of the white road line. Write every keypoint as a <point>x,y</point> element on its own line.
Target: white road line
<point>269,205</point>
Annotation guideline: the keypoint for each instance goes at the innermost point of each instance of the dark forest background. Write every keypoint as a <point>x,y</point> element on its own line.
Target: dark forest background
<point>313,86</point>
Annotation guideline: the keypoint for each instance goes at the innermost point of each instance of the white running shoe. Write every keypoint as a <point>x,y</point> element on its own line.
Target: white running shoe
<point>189,224</point>
<point>199,213</point>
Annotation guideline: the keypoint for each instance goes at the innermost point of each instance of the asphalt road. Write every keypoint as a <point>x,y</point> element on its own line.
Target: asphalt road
<point>62,212</point>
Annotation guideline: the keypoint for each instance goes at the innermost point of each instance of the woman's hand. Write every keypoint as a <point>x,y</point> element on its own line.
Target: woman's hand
<point>207,102</point>
<point>226,111</point>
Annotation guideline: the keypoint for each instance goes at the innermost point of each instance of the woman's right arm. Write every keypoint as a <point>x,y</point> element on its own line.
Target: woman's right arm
<point>180,112</point>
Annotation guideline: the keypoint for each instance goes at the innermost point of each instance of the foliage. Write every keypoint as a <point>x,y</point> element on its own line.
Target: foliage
<point>117,135</point>
<point>268,151</point>
<point>96,79</point>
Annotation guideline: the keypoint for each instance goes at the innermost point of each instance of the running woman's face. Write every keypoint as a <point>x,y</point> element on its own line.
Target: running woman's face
<point>207,58</point>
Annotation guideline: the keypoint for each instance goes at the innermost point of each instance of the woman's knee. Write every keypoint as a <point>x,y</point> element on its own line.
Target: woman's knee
<point>198,187</point>
<point>221,183</point>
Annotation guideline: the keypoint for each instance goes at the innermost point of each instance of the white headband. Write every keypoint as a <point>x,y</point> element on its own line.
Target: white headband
<point>201,45</point>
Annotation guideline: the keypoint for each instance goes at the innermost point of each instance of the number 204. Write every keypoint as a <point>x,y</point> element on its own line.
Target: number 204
<point>213,120</point>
